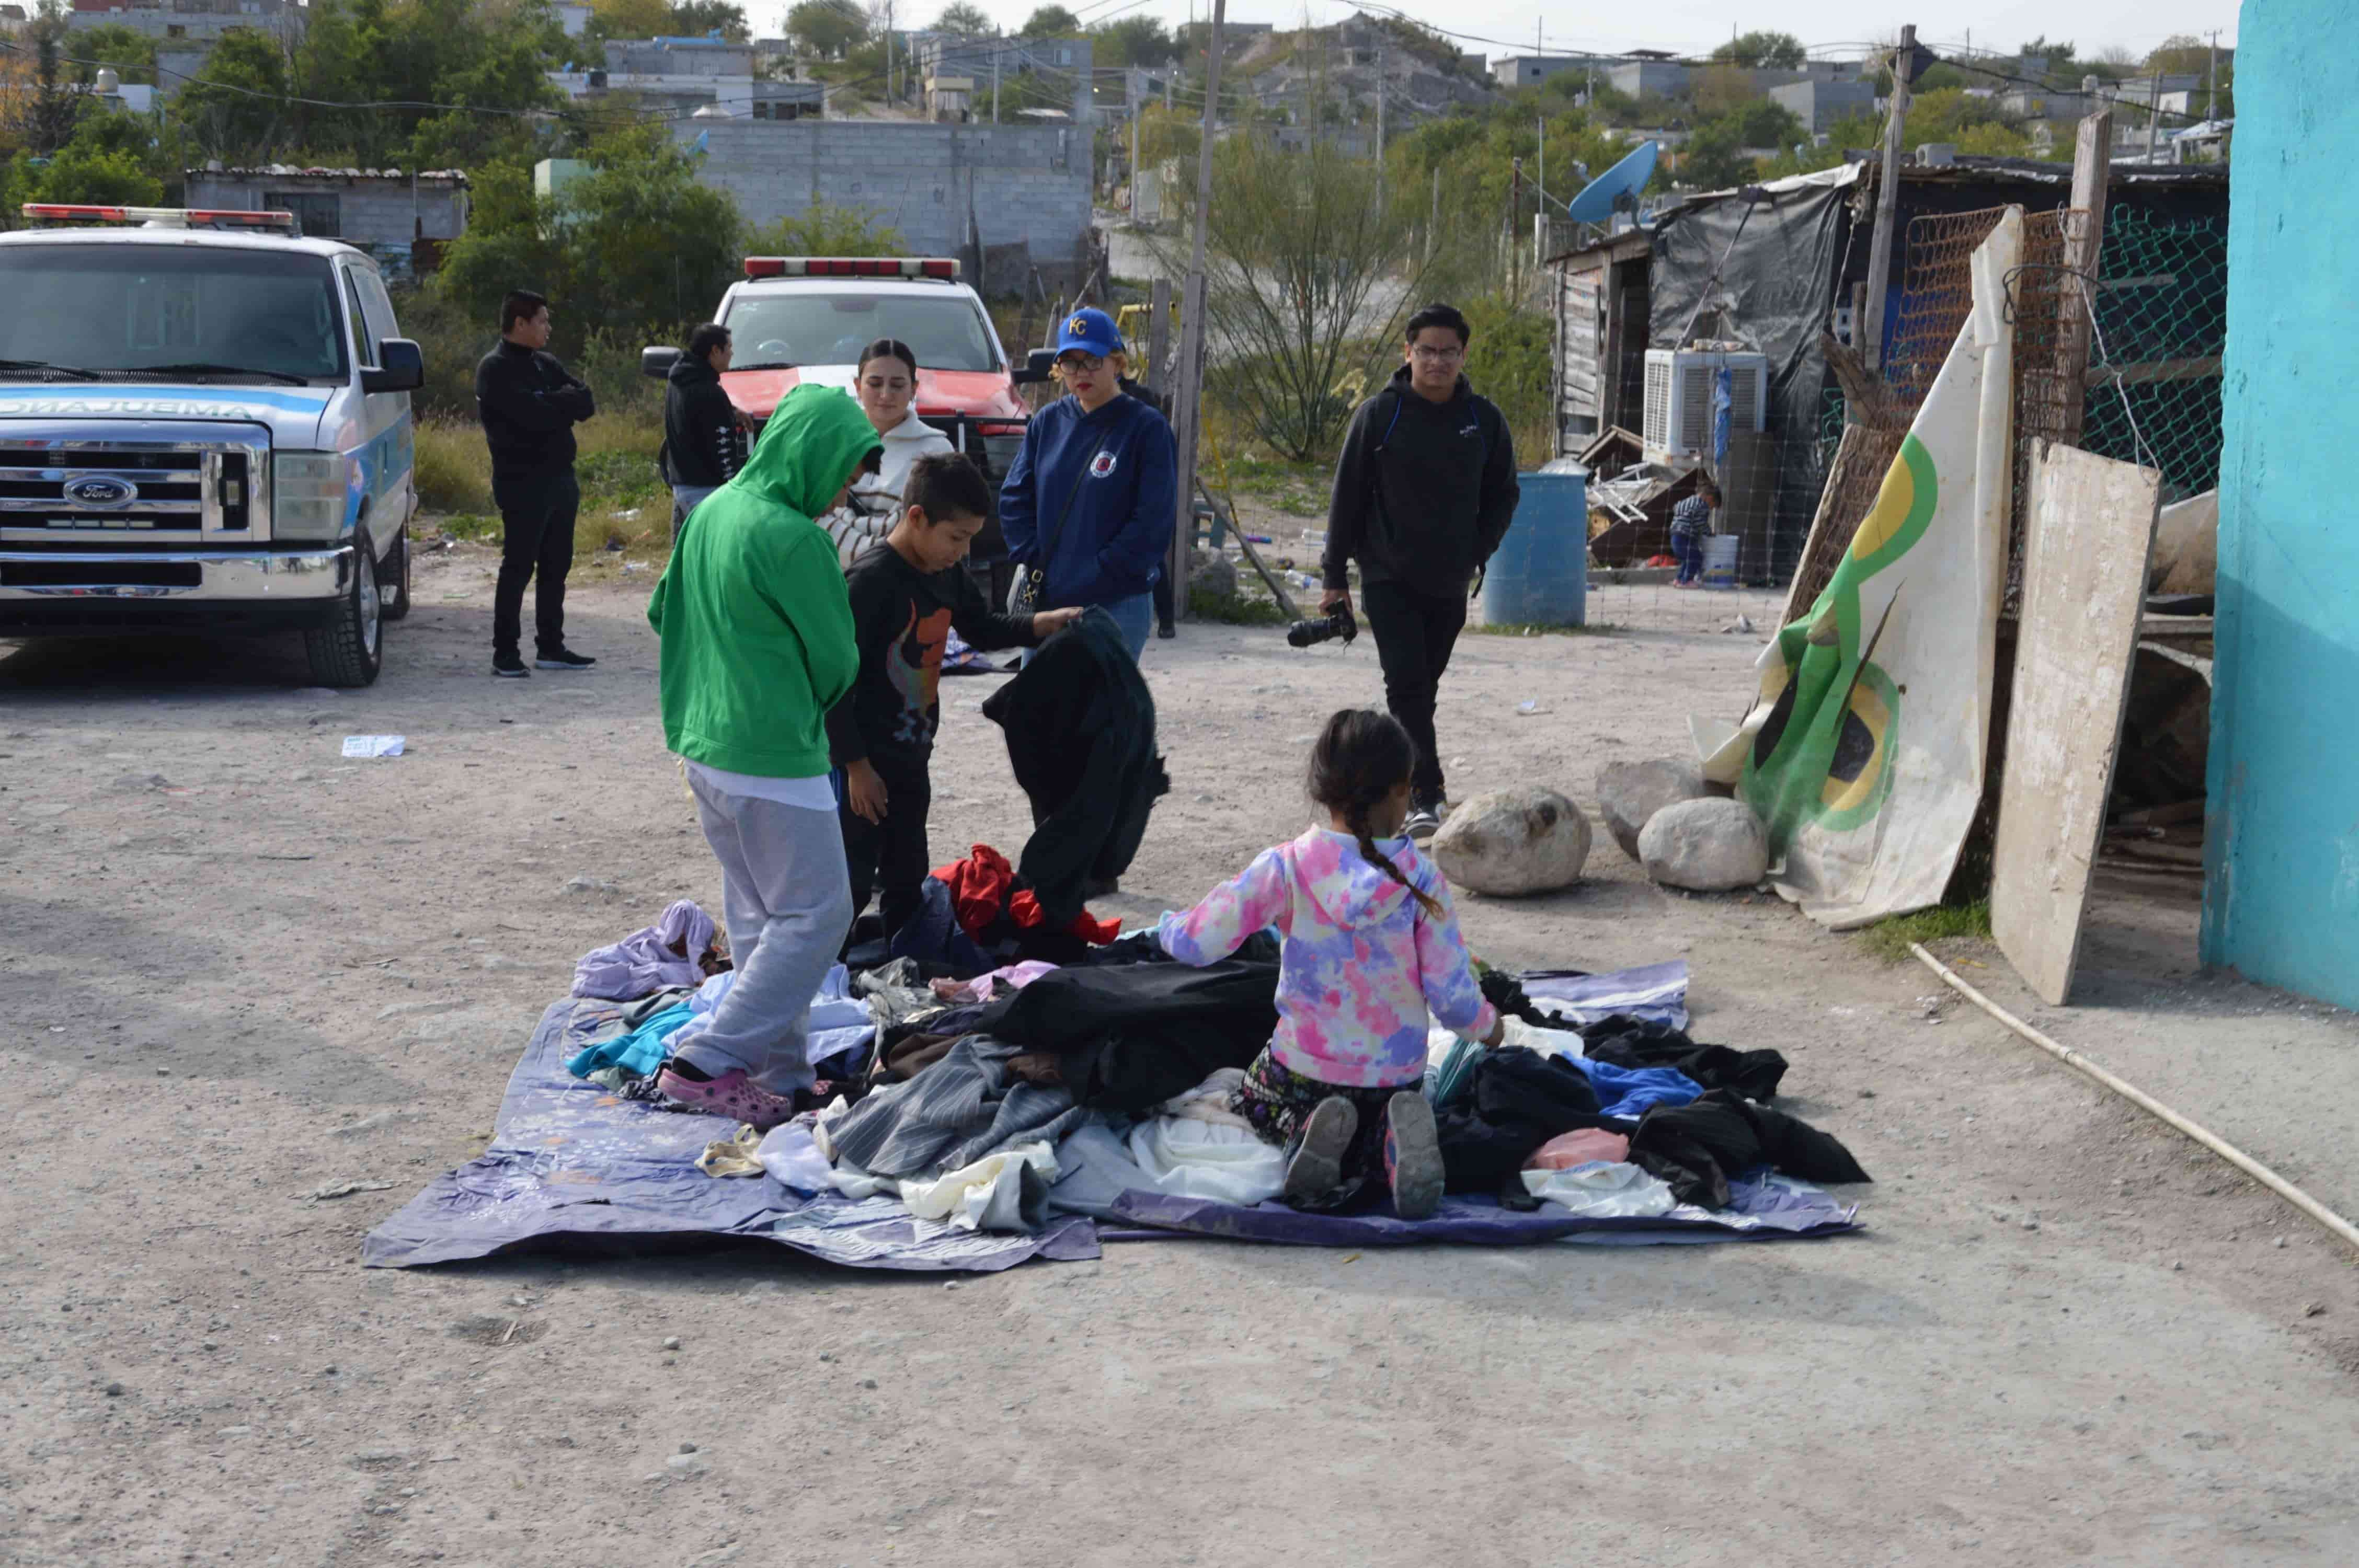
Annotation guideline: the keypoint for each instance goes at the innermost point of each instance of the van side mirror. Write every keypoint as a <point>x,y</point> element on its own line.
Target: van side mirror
<point>1039,365</point>
<point>656,364</point>
<point>401,367</point>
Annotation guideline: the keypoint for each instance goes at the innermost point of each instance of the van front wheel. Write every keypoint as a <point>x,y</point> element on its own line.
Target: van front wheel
<point>350,650</point>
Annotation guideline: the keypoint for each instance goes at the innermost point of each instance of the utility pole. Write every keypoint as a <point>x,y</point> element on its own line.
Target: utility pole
<point>1187,376</point>
<point>1380,125</point>
<point>996,51</point>
<point>1888,201</point>
<point>1514,205</point>
<point>1433,227</point>
<point>2212,90</point>
<point>1130,92</point>
<point>1539,198</point>
<point>888,51</point>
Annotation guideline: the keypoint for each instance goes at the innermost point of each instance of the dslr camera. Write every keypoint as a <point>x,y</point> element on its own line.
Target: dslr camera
<point>1340,623</point>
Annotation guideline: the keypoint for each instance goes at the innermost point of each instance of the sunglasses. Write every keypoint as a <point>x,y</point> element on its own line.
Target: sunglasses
<point>1082,362</point>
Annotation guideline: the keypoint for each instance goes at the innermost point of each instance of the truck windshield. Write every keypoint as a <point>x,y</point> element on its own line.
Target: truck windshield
<point>820,329</point>
<point>127,310</point>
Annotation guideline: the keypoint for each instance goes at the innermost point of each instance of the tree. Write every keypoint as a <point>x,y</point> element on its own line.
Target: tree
<point>132,54</point>
<point>1713,158</point>
<point>629,19</point>
<point>696,19</point>
<point>1776,52</point>
<point>237,108</point>
<point>826,231</point>
<point>1312,272</point>
<point>967,19</point>
<point>1051,22</point>
<point>828,27</point>
<point>1723,88</point>
<point>2182,54</point>
<point>637,247</point>
<point>1133,41</point>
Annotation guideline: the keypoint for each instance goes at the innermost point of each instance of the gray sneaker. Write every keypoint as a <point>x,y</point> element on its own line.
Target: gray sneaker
<point>1422,823</point>
<point>1316,1167</point>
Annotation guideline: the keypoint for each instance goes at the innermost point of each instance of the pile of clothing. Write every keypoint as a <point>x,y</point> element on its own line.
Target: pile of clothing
<point>997,1096</point>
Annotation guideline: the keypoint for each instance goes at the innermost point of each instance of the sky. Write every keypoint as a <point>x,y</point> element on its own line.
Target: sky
<point>1504,27</point>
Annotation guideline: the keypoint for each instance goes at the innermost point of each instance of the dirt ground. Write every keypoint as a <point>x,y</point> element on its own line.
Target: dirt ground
<point>237,969</point>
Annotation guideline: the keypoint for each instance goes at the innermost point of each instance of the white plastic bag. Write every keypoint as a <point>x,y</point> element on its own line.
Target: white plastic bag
<point>1600,1191</point>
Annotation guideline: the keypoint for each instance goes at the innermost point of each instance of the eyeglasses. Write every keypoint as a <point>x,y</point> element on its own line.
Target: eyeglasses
<point>1422,351</point>
<point>1082,362</point>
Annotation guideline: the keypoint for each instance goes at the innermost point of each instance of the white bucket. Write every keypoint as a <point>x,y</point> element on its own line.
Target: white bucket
<point>1719,561</point>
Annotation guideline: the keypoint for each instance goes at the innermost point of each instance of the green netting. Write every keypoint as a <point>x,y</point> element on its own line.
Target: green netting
<point>2162,321</point>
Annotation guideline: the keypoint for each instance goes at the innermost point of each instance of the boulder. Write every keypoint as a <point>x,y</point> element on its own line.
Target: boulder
<point>1513,841</point>
<point>1707,845</point>
<point>1629,793</point>
<point>1212,574</point>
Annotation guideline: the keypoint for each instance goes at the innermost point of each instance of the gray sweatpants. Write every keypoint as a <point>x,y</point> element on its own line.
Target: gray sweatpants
<point>787,901</point>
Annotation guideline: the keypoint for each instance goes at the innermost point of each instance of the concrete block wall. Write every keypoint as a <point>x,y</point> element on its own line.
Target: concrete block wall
<point>1024,183</point>
<point>372,212</point>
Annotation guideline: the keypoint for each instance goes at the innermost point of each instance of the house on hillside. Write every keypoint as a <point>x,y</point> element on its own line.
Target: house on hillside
<point>403,218</point>
<point>1820,105</point>
<point>688,76</point>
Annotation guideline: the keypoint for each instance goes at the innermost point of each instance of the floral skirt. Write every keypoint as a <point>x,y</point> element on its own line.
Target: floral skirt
<point>1278,1100</point>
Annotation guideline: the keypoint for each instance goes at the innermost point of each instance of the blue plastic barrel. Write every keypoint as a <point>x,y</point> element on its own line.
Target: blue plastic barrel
<point>1541,575</point>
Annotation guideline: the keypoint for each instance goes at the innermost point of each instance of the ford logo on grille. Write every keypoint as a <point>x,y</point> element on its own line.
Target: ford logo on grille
<point>99,491</point>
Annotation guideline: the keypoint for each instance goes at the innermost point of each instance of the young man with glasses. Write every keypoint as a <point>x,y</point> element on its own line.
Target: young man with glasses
<point>1424,492</point>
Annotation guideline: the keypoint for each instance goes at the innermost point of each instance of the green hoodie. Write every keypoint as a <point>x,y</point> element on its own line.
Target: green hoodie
<point>755,629</point>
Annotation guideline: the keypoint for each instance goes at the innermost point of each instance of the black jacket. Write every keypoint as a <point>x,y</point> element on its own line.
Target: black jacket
<point>529,405</point>
<point>1424,492</point>
<point>703,443</point>
<point>901,623</point>
<point>1080,738</point>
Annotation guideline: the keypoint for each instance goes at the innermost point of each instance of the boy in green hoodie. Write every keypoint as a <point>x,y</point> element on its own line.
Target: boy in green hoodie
<point>757,646</point>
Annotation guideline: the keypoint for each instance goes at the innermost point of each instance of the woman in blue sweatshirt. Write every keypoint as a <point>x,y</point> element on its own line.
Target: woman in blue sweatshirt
<point>1092,500</point>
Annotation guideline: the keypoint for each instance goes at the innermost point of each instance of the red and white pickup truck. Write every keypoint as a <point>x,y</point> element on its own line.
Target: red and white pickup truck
<point>800,321</point>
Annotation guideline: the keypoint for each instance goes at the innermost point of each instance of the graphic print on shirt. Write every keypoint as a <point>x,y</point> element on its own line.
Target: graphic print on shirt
<point>1101,465</point>
<point>915,668</point>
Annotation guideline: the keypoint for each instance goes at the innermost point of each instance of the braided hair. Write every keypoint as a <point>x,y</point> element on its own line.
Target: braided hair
<point>1360,758</point>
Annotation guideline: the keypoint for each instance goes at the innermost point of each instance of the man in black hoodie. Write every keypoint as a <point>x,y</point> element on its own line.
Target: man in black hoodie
<point>529,405</point>
<point>1424,492</point>
<point>704,433</point>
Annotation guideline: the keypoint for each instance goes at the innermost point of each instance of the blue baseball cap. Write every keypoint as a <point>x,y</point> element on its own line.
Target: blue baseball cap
<point>1093,331</point>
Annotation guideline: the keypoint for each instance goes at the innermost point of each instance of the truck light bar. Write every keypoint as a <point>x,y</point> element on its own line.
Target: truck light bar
<point>170,217</point>
<point>851,266</point>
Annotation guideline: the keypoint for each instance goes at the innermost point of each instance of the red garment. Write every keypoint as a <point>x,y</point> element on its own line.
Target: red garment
<point>980,888</point>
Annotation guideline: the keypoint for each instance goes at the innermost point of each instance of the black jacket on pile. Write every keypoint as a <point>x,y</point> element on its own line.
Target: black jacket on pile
<point>1133,1035</point>
<point>530,404</point>
<point>703,444</point>
<point>1424,492</point>
<point>1081,737</point>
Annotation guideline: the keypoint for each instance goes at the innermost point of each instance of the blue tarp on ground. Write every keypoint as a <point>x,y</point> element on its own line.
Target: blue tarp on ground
<point>570,1162</point>
<point>1766,1209</point>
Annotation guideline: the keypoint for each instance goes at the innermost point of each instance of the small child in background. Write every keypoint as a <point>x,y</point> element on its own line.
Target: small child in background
<point>907,595</point>
<point>1690,525</point>
<point>1368,945</point>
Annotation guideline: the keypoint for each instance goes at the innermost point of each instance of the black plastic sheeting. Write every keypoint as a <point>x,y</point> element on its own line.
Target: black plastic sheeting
<point>1774,295</point>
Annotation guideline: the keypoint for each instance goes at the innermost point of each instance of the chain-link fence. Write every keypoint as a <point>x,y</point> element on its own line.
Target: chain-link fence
<point>2162,323</point>
<point>2151,394</point>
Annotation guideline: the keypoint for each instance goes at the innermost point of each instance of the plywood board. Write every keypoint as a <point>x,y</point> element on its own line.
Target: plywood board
<point>2085,549</point>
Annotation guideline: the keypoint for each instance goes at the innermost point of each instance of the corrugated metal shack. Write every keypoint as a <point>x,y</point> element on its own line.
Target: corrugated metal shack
<point>1773,273</point>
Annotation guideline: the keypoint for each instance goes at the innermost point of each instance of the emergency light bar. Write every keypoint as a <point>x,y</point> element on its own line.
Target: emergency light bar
<point>851,266</point>
<point>166,217</point>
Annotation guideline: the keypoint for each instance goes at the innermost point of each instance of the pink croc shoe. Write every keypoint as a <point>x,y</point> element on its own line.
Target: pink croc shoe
<point>732,1095</point>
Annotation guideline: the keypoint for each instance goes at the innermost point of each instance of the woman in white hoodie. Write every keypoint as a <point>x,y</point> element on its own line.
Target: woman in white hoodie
<point>885,384</point>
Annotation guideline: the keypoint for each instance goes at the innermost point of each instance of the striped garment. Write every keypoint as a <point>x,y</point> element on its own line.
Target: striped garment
<point>1692,515</point>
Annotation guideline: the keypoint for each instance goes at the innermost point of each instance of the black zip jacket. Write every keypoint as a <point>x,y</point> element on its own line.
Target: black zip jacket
<point>1424,492</point>
<point>901,623</point>
<point>530,405</point>
<point>703,444</point>
<point>1081,737</point>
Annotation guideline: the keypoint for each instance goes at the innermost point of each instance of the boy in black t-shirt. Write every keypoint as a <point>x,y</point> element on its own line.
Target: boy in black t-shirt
<point>907,595</point>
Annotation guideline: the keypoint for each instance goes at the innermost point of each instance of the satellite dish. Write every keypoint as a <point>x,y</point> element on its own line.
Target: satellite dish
<point>1616,190</point>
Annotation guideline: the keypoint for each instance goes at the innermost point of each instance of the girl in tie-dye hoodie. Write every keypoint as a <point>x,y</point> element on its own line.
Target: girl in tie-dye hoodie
<point>1368,945</point>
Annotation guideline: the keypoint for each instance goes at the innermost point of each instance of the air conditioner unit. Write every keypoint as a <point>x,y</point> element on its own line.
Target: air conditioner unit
<point>1678,422</point>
